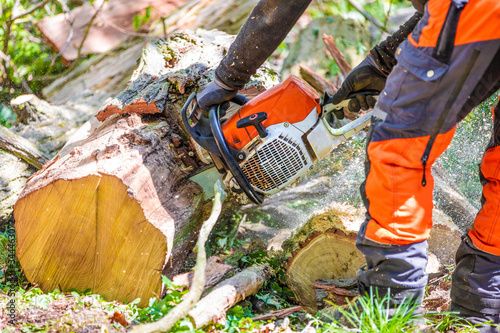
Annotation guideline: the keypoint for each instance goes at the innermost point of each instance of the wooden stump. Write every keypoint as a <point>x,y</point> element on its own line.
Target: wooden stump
<point>115,209</point>
<point>324,248</point>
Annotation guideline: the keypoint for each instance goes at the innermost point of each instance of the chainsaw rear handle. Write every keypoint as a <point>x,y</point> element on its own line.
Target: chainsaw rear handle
<point>200,131</point>
<point>228,159</point>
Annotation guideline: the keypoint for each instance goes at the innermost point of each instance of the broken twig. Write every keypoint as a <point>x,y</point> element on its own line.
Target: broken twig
<point>278,314</point>
<point>344,66</point>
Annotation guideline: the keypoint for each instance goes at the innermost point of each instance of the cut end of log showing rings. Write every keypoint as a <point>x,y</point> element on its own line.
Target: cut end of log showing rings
<point>324,248</point>
<point>104,215</point>
<point>116,210</point>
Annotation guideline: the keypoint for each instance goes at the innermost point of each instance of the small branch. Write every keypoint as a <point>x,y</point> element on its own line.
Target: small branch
<point>20,147</point>
<point>317,81</point>
<point>29,11</point>
<point>6,59</point>
<point>69,18</point>
<point>339,58</point>
<point>367,16</point>
<point>87,29</point>
<point>181,310</point>
<point>277,314</point>
<point>335,290</point>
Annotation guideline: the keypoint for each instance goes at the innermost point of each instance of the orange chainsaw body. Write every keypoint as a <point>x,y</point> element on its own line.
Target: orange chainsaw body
<point>290,101</point>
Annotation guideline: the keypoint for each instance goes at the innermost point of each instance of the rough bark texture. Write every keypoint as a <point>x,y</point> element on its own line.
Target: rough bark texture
<point>212,308</point>
<point>14,172</point>
<point>115,209</point>
<point>167,71</point>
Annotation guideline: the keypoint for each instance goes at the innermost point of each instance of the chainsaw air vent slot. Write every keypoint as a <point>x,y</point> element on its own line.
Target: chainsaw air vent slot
<point>274,164</point>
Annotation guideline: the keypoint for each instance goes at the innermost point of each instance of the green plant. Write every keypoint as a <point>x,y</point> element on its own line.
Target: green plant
<point>372,314</point>
<point>238,319</point>
<point>24,57</point>
<point>446,321</point>
<point>141,19</point>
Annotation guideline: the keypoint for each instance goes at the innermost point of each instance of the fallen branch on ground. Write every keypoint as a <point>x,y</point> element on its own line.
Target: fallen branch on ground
<point>21,148</point>
<point>212,308</point>
<point>278,314</point>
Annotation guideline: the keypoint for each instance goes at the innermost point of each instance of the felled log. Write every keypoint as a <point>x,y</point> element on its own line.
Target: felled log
<point>323,248</point>
<point>450,199</point>
<point>46,125</point>
<point>214,272</point>
<point>115,209</point>
<point>165,76</point>
<point>212,308</point>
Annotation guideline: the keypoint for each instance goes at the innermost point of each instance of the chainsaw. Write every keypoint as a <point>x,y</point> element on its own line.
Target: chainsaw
<point>269,142</point>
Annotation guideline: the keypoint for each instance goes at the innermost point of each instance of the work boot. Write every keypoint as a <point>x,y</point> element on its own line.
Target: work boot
<point>484,323</point>
<point>475,287</point>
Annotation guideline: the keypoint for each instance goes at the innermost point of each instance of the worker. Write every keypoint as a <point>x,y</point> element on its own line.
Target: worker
<point>431,73</point>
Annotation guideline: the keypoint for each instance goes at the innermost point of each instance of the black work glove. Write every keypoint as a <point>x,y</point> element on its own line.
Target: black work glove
<point>366,76</point>
<point>213,94</point>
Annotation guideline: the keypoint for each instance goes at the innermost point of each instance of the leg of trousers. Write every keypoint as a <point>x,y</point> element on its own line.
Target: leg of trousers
<point>408,118</point>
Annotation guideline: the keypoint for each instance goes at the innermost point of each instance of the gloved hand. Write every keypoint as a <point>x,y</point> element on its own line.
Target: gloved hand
<point>366,76</point>
<point>213,94</point>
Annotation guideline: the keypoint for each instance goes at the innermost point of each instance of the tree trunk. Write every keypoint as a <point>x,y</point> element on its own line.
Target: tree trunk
<point>115,209</point>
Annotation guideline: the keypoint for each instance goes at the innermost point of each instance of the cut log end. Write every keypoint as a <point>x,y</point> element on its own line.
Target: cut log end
<point>327,256</point>
<point>104,237</point>
<point>324,248</point>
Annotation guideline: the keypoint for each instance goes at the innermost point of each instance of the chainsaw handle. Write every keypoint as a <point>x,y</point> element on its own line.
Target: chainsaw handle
<point>239,99</point>
<point>228,159</point>
<point>327,99</point>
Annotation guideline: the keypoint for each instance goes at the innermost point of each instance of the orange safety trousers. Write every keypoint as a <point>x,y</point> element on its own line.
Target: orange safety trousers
<point>447,66</point>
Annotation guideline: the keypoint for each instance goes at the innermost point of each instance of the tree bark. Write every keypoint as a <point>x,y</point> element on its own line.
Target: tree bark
<point>212,308</point>
<point>115,209</point>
